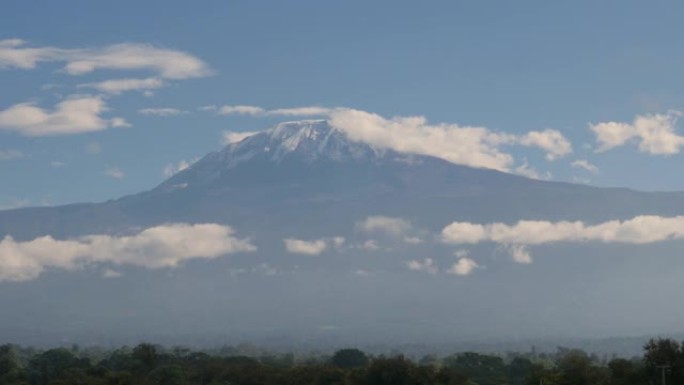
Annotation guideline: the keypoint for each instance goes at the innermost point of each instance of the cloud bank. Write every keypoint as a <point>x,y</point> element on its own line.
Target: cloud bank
<point>165,246</point>
<point>471,146</point>
<point>642,229</point>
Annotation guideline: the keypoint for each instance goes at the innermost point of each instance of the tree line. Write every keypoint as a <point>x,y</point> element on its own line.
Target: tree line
<point>662,360</point>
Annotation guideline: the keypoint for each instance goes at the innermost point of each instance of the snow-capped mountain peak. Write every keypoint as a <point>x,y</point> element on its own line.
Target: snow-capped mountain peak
<point>303,142</point>
<point>307,140</point>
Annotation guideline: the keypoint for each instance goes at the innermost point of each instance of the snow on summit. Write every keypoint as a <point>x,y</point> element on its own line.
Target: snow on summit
<point>307,140</point>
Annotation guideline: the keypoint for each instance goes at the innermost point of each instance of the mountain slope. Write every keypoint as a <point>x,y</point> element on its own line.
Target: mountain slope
<point>308,167</point>
<point>307,181</point>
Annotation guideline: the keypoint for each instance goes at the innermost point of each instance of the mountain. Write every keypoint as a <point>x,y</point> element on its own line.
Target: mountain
<point>306,181</point>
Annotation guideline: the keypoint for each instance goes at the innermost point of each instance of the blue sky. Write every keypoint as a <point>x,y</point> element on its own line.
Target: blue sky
<point>510,67</point>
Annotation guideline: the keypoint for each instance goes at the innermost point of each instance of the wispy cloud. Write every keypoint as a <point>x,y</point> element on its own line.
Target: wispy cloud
<point>239,110</point>
<point>11,154</point>
<point>301,111</point>
<point>174,168</point>
<point>93,148</point>
<point>166,246</point>
<point>396,227</point>
<point>15,203</point>
<point>427,265</point>
<point>236,137</point>
<point>111,273</point>
<point>585,165</point>
<point>115,173</point>
<point>72,116</point>
<point>166,63</point>
<point>260,111</point>
<point>525,169</point>
<point>118,86</point>
<point>162,111</point>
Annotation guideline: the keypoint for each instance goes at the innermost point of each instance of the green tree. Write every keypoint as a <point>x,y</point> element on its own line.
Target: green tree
<point>576,368</point>
<point>664,352</point>
<point>50,366</point>
<point>349,358</point>
<point>10,371</point>
<point>389,371</point>
<point>482,369</point>
<point>518,370</point>
<point>625,372</point>
<point>146,354</point>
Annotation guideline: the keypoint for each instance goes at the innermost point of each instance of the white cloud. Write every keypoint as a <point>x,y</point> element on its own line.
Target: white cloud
<point>172,169</point>
<point>230,137</point>
<point>461,253</point>
<point>412,240</point>
<point>10,154</point>
<point>119,122</point>
<point>169,64</point>
<point>338,242</point>
<point>528,171</point>
<point>464,266</point>
<point>551,141</point>
<point>520,254</point>
<point>265,269</point>
<point>471,146</point>
<point>427,265</point>
<point>13,55</point>
<point>585,165</point>
<point>298,246</point>
<point>395,227</point>
<point>260,111</point>
<point>164,246</point>
<point>301,111</point>
<point>115,173</point>
<point>57,163</point>
<point>370,245</point>
<point>654,134</point>
<point>71,116</point>
<point>240,110</point>
<point>118,86</point>
<point>162,111</point>
<point>111,273</point>
<point>638,230</point>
